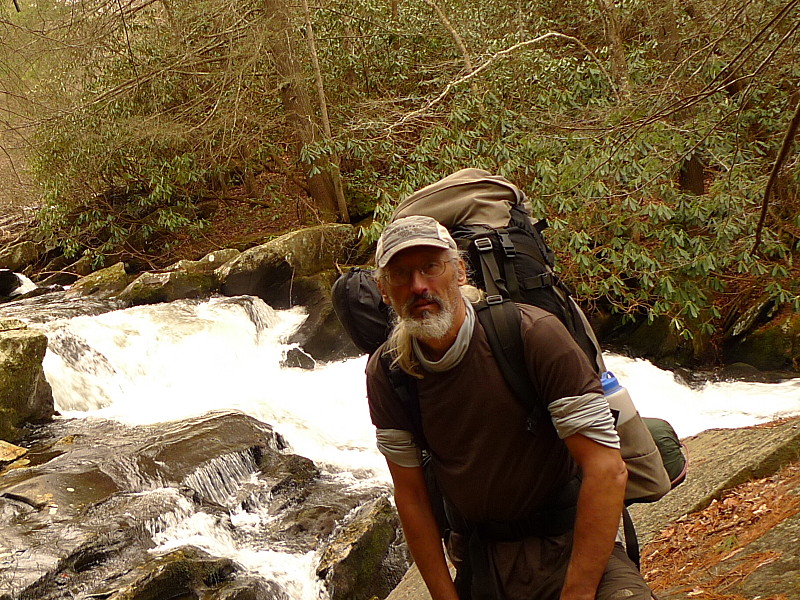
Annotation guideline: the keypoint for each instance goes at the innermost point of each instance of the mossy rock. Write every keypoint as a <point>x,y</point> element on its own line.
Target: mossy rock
<point>207,264</point>
<point>20,255</point>
<point>268,270</point>
<point>364,558</point>
<point>152,288</point>
<point>187,572</point>
<point>104,283</point>
<point>25,395</point>
<point>772,346</point>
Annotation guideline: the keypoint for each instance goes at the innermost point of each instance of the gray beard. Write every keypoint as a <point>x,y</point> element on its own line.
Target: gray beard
<point>431,326</point>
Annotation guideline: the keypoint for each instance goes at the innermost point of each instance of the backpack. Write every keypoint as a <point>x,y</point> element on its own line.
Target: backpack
<point>506,252</point>
<point>511,262</point>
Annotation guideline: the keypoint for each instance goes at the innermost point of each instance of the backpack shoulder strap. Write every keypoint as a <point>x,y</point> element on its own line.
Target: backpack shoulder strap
<point>405,387</point>
<point>502,322</point>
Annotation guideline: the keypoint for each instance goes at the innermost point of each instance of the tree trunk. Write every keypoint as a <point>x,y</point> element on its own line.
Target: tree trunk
<point>619,64</point>
<point>664,21</point>
<point>459,41</point>
<point>298,109</point>
<point>692,176</point>
<point>336,178</point>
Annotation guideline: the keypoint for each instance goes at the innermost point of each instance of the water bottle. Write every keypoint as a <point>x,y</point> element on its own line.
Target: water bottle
<point>619,401</point>
<point>647,478</point>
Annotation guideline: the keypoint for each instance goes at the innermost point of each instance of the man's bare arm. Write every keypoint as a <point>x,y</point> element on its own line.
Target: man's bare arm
<point>419,527</point>
<point>599,509</point>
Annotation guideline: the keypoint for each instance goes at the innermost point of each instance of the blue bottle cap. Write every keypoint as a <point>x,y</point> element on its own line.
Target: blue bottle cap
<point>609,382</point>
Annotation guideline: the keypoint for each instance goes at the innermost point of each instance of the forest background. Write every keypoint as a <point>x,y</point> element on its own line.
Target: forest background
<point>655,136</point>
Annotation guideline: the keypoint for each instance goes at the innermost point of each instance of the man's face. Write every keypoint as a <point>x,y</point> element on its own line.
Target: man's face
<point>426,303</point>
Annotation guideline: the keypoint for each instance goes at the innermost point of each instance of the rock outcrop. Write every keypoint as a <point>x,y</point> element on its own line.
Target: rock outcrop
<point>25,395</point>
<point>104,283</point>
<point>18,256</point>
<point>86,511</point>
<point>270,270</point>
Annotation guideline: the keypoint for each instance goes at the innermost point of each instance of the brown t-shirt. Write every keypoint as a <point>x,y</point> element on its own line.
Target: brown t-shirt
<point>486,462</point>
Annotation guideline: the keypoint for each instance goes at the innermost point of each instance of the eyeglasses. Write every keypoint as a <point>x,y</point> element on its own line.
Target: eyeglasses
<point>430,270</point>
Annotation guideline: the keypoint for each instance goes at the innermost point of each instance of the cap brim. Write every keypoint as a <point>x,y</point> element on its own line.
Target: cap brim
<point>422,242</point>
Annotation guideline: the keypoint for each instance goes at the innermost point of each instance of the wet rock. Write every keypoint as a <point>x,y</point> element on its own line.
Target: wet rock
<point>297,359</point>
<point>10,452</point>
<point>56,305</point>
<point>18,256</point>
<point>187,572</point>
<point>25,395</point>
<point>248,588</point>
<point>9,282</point>
<point>35,291</point>
<point>151,288</point>
<point>207,264</point>
<point>365,557</point>
<point>321,335</point>
<point>268,270</point>
<point>104,283</point>
<point>15,286</point>
<point>82,519</point>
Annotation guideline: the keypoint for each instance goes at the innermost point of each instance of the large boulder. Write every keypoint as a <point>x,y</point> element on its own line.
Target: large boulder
<point>270,270</point>
<point>207,264</point>
<point>104,283</point>
<point>18,256</point>
<point>770,346</point>
<point>25,395</point>
<point>152,288</point>
<point>321,335</point>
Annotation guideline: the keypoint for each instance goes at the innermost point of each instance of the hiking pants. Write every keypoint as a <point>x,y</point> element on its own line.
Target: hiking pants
<point>534,569</point>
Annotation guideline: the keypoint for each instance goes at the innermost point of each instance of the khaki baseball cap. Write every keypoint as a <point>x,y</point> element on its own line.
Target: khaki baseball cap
<point>408,232</point>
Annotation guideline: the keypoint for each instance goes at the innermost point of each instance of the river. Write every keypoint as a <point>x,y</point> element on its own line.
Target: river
<point>166,362</point>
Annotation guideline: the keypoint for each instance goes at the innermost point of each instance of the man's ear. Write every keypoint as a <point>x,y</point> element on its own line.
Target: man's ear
<point>384,296</point>
<point>462,272</point>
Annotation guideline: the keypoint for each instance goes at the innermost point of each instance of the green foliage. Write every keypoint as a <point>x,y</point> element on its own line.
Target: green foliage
<point>606,173</point>
<point>174,104</point>
<point>169,108</point>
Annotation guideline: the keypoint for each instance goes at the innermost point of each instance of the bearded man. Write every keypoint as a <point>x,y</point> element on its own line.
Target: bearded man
<point>533,515</point>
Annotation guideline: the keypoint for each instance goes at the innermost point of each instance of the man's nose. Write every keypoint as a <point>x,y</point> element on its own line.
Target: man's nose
<point>418,282</point>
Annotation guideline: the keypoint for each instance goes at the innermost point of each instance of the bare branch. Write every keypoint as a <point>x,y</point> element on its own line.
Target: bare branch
<point>788,140</point>
<point>489,62</point>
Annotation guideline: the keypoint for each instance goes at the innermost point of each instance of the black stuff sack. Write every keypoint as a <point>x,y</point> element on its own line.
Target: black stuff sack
<point>358,304</point>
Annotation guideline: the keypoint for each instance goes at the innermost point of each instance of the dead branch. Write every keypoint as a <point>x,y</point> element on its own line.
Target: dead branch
<point>786,146</point>
<point>490,61</point>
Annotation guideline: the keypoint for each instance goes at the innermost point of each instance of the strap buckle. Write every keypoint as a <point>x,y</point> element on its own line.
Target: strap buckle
<point>507,245</point>
<point>483,244</point>
<point>494,299</point>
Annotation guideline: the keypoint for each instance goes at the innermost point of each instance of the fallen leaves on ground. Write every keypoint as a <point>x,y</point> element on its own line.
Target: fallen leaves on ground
<point>694,555</point>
